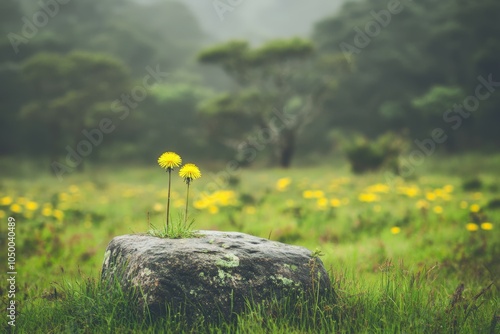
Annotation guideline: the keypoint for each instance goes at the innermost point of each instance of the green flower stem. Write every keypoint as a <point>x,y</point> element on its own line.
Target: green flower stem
<point>187,200</point>
<point>168,197</point>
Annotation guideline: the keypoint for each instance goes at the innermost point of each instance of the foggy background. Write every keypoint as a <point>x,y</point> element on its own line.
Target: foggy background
<point>110,81</point>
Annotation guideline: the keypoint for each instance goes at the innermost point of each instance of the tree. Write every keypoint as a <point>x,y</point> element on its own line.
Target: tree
<point>71,93</point>
<point>278,90</point>
<point>400,57</point>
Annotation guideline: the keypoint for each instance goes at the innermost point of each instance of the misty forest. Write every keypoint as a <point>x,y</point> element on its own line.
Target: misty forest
<point>364,132</point>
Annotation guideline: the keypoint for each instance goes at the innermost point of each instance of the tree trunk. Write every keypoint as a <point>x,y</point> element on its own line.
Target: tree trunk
<point>287,148</point>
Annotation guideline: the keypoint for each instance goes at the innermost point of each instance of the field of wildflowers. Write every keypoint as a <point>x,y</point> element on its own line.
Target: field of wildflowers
<point>361,224</point>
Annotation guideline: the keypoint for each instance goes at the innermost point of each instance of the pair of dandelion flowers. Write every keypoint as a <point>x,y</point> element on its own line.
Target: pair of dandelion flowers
<point>171,160</point>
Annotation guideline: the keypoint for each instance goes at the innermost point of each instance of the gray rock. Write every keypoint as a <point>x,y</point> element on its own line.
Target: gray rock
<point>211,276</point>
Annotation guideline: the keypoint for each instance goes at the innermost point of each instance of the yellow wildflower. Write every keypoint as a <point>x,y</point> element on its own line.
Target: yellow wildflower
<point>438,209</point>
<point>487,226</point>
<point>322,203</point>
<point>283,183</point>
<point>422,204</point>
<point>47,211</point>
<point>6,200</point>
<point>475,208</point>
<point>308,194</point>
<point>471,227</point>
<point>16,208</point>
<point>201,204</point>
<point>448,188</point>
<point>430,196</point>
<point>368,197</point>
<point>58,214</point>
<point>32,206</point>
<point>158,207</point>
<point>189,172</point>
<point>378,188</point>
<point>169,160</point>
<point>395,230</point>
<point>335,202</point>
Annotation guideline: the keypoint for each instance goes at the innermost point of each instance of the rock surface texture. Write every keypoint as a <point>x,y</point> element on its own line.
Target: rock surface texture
<point>213,275</point>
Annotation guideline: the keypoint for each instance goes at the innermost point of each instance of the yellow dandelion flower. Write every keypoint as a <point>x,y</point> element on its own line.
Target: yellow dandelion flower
<point>64,197</point>
<point>448,188</point>
<point>250,210</point>
<point>322,203</point>
<point>475,208</point>
<point>378,188</point>
<point>158,207</point>
<point>189,172</point>
<point>58,214</point>
<point>213,209</point>
<point>47,211</point>
<point>487,226</point>
<point>464,205</point>
<point>438,209</point>
<point>28,214</point>
<point>368,197</point>
<point>430,196</point>
<point>16,208</point>
<point>32,206</point>
<point>335,202</point>
<point>169,160</point>
<point>471,227</point>
<point>308,194</point>
<point>410,191</point>
<point>422,204</point>
<point>201,204</point>
<point>6,200</point>
<point>318,194</point>
<point>283,183</point>
<point>395,230</point>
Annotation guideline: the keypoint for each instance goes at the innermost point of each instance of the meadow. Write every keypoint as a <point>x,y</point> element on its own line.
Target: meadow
<point>420,254</point>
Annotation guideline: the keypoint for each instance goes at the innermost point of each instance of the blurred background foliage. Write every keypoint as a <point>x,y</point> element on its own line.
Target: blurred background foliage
<point>223,98</point>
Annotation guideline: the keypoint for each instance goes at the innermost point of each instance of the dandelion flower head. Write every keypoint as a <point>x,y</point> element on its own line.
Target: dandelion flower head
<point>169,160</point>
<point>189,172</point>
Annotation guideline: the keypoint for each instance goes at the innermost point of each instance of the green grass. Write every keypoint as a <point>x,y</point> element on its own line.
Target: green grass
<point>397,300</point>
<point>397,251</point>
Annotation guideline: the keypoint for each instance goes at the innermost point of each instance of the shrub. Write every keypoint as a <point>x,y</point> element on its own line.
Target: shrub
<point>370,155</point>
